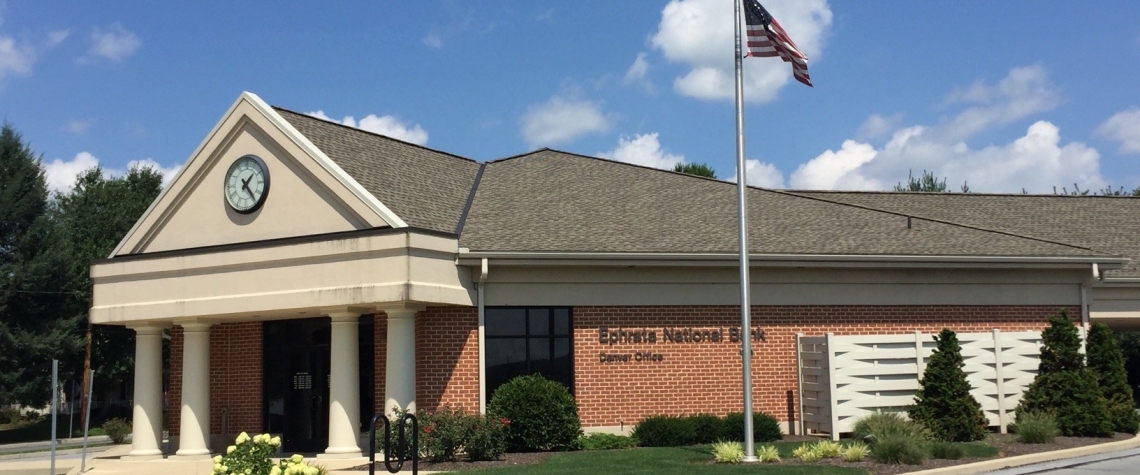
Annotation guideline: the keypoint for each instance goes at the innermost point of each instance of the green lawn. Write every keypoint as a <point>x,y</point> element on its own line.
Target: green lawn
<point>659,461</point>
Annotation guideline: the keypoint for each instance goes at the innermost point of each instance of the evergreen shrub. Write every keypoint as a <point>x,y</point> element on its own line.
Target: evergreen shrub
<point>1106,361</point>
<point>665,431</point>
<point>543,414</point>
<point>765,428</point>
<point>707,428</point>
<point>1064,386</point>
<point>943,402</point>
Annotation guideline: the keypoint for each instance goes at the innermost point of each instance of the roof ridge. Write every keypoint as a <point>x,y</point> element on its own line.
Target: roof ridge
<point>941,221</point>
<point>282,109</point>
<point>950,193</point>
<point>607,160</point>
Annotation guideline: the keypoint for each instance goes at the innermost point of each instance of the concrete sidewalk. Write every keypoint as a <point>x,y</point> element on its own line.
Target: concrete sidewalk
<point>76,442</point>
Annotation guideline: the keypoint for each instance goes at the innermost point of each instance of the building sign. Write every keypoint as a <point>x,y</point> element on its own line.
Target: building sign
<point>667,336</point>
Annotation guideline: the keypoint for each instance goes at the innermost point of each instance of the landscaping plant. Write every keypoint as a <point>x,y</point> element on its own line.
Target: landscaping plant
<point>943,402</point>
<point>873,427</point>
<point>946,450</point>
<point>728,452</point>
<point>856,451</point>
<point>897,449</point>
<point>664,431</point>
<point>442,433</point>
<point>1064,386</point>
<point>543,414</point>
<point>251,456</point>
<point>707,428</point>
<point>602,441</point>
<point>1106,361</point>
<point>117,429</point>
<point>765,428</point>
<point>1036,428</point>
<point>828,449</point>
<point>768,454</point>
<point>806,453</point>
<point>487,438</point>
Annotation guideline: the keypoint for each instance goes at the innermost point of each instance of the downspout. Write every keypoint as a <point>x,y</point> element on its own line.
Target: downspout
<point>482,341</point>
<point>1085,305</point>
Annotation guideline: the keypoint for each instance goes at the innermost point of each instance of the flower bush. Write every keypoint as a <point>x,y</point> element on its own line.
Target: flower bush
<point>117,429</point>
<point>446,433</point>
<point>251,456</point>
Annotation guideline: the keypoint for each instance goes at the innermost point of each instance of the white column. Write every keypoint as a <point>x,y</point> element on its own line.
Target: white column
<point>147,417</point>
<point>194,439</point>
<point>344,386</point>
<point>400,361</point>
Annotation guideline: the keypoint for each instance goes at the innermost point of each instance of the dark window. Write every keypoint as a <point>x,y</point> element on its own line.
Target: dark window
<point>523,341</point>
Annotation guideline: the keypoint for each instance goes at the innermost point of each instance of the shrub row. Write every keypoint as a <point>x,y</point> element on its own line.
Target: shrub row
<point>446,433</point>
<point>676,431</point>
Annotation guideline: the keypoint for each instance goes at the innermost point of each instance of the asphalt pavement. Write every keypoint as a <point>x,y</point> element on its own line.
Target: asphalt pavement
<point>1124,461</point>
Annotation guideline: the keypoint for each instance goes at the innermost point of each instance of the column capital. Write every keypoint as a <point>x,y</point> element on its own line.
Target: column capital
<point>149,328</point>
<point>195,325</point>
<point>403,311</point>
<point>344,317</point>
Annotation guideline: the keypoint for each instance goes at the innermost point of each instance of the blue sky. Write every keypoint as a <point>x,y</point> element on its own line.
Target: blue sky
<point>1002,95</point>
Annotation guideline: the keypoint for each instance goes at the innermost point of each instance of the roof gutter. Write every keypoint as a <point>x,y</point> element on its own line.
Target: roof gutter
<point>469,257</point>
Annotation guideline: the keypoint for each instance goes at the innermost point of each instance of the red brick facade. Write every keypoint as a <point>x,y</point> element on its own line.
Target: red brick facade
<point>235,378</point>
<point>690,377</point>
<point>704,377</point>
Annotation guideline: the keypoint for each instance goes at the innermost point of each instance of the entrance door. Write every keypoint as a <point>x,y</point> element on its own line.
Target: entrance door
<point>297,383</point>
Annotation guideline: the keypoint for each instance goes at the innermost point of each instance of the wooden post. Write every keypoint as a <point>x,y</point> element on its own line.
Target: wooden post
<point>832,399</point>
<point>1003,423</point>
<point>918,356</point>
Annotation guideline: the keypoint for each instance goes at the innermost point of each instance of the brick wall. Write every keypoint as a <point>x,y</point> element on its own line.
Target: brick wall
<point>704,377</point>
<point>235,377</point>
<point>447,358</point>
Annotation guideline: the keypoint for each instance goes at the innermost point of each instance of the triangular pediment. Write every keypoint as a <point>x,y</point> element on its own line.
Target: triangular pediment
<point>309,195</point>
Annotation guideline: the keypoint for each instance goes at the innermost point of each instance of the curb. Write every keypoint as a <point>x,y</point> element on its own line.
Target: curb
<point>1030,459</point>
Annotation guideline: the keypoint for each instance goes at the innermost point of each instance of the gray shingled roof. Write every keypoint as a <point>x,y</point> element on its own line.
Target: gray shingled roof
<point>1109,224</point>
<point>555,201</point>
<point>424,187</point>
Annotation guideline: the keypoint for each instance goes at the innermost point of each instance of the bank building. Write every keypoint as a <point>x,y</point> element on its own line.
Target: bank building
<point>310,275</point>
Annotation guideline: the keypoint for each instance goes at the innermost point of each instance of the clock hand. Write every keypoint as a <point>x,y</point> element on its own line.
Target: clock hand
<point>245,186</point>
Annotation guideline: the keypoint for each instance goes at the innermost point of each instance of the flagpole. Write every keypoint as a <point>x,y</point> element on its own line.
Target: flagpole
<point>742,198</point>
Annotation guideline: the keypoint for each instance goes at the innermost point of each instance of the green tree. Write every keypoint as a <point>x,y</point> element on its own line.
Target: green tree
<point>1064,386</point>
<point>34,327</point>
<point>1130,346</point>
<point>95,215</point>
<point>928,183</point>
<point>698,169</point>
<point>1106,361</point>
<point>943,402</point>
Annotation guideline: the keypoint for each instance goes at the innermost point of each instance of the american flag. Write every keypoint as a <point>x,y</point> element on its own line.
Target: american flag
<point>767,38</point>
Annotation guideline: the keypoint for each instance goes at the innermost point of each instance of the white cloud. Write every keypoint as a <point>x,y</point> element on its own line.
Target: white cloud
<point>55,37</point>
<point>15,58</point>
<point>1123,127</point>
<point>384,125</point>
<point>825,171</point>
<point>1023,92</point>
<point>60,175</point>
<point>699,34</point>
<point>645,150</point>
<point>77,126</point>
<point>113,42</point>
<point>877,126</point>
<point>764,175</point>
<point>561,120</point>
<point>637,71</point>
<point>433,40</point>
<point>1036,161</point>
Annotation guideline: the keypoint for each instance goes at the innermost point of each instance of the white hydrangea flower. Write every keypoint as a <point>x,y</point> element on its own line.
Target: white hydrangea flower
<point>217,459</point>
<point>276,441</point>
<point>231,449</point>
<point>242,437</point>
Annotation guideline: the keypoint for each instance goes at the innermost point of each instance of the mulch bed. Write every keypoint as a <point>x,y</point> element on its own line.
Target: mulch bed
<point>1005,443</point>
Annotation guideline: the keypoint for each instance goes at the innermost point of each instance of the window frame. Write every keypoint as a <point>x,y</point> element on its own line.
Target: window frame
<point>550,337</point>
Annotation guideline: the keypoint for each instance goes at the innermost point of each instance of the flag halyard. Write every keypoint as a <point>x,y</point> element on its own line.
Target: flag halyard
<point>766,38</point>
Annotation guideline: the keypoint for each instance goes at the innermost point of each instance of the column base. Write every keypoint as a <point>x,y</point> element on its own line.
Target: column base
<point>201,456</point>
<point>144,457</point>
<point>348,453</point>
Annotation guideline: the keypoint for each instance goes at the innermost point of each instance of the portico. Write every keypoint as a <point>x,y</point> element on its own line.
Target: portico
<point>320,248</point>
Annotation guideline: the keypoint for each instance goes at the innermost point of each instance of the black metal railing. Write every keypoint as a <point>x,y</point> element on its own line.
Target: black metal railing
<point>401,454</point>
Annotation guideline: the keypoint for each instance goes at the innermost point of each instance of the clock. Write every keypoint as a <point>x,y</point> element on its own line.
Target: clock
<point>247,184</point>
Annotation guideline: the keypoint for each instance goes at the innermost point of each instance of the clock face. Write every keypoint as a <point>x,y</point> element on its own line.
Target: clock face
<point>247,184</point>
